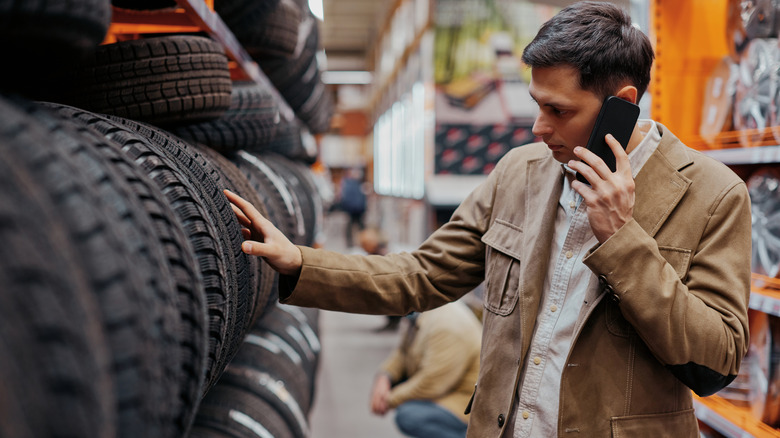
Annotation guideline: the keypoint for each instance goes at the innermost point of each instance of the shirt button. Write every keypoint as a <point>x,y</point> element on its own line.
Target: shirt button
<point>572,204</point>
<point>553,308</point>
<point>569,254</point>
<point>537,360</point>
<point>526,415</point>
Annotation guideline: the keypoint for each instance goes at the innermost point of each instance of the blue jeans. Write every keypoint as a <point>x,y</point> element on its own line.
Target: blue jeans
<point>425,419</point>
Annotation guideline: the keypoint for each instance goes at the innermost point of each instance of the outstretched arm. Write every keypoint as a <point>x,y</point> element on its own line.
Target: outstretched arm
<point>263,239</point>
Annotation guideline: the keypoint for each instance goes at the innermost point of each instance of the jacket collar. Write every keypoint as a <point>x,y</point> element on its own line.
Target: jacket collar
<point>660,185</point>
<point>544,183</point>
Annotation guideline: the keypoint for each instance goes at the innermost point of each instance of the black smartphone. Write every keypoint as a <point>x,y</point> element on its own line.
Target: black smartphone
<point>617,117</point>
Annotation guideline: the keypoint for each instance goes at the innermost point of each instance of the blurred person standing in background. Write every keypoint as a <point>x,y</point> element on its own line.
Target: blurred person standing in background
<point>352,200</point>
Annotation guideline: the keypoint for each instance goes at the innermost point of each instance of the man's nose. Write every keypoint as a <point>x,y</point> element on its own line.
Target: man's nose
<point>541,127</point>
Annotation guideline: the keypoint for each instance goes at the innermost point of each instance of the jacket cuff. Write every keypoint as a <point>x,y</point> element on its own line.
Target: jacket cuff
<point>288,283</point>
<point>610,259</point>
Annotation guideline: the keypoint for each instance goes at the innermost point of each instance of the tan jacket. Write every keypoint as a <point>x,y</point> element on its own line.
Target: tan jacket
<point>672,307</point>
<point>439,360</point>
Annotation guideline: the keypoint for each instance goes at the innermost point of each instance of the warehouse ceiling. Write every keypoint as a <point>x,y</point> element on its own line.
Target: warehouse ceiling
<point>350,29</point>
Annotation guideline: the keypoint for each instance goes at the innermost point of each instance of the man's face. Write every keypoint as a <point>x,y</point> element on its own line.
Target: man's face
<point>567,113</point>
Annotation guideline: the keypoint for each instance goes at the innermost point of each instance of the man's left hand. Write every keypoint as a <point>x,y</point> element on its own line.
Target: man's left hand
<point>610,197</point>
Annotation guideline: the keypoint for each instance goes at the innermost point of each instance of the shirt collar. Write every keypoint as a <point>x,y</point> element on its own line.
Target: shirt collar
<point>641,153</point>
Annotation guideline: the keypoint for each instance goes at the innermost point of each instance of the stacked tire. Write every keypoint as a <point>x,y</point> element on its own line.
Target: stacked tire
<point>268,388</point>
<point>283,37</point>
<point>127,307</point>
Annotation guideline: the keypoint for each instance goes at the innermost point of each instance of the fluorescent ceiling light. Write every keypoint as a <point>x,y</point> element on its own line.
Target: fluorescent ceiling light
<point>317,9</point>
<point>347,77</point>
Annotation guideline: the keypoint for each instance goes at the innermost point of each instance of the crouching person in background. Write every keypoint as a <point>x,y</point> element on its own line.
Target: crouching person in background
<point>430,376</point>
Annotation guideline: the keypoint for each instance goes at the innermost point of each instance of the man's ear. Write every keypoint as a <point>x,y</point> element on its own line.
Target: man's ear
<point>629,93</point>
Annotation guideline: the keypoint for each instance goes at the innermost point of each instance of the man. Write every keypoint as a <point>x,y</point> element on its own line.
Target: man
<point>429,378</point>
<point>603,304</point>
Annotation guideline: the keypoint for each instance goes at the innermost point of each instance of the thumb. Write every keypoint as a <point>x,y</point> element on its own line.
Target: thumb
<point>253,247</point>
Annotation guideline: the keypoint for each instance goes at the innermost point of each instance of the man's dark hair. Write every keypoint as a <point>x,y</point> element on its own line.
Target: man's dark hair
<point>598,40</point>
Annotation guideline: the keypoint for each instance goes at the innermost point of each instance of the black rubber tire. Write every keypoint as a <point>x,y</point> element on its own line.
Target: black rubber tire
<point>286,73</point>
<point>234,412</point>
<point>43,37</point>
<point>250,123</point>
<point>174,257</point>
<point>264,28</point>
<point>304,212</point>
<point>297,93</point>
<point>144,5</point>
<point>266,352</point>
<point>266,387</point>
<point>291,325</point>
<point>137,307</point>
<point>309,315</point>
<point>308,321</point>
<point>253,11</point>
<point>299,82</point>
<point>55,370</point>
<point>275,36</point>
<point>190,191</point>
<point>293,201</point>
<point>240,267</point>
<point>298,180</point>
<point>294,141</point>
<point>125,194</point>
<point>265,275</point>
<point>317,110</point>
<point>160,80</point>
<point>298,336</point>
<point>175,247</point>
<point>233,182</point>
<point>276,196</point>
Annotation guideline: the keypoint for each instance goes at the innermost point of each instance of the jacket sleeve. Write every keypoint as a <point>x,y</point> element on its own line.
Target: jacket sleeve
<point>695,325</point>
<point>450,263</point>
<point>440,370</point>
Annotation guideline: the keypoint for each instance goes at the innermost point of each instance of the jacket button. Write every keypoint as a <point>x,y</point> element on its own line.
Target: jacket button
<point>615,298</point>
<point>500,420</point>
<point>605,285</point>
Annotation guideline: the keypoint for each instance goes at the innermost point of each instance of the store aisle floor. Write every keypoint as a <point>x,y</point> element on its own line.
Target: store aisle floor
<point>351,353</point>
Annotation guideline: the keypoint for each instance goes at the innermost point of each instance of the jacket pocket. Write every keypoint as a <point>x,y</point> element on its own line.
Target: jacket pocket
<point>681,424</point>
<point>502,267</point>
<point>679,258</point>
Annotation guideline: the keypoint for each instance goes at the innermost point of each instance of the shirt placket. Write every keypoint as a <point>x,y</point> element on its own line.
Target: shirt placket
<point>576,236</point>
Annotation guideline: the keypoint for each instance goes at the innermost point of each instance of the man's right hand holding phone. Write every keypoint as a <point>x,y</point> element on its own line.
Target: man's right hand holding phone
<point>610,197</point>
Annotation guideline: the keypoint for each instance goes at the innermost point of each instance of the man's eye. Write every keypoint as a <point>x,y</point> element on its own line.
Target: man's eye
<point>558,112</point>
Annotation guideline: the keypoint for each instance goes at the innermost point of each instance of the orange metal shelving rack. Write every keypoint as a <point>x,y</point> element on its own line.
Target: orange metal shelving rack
<point>690,39</point>
<point>193,16</point>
